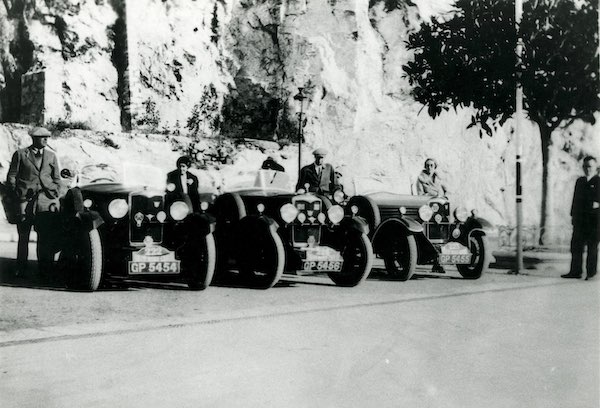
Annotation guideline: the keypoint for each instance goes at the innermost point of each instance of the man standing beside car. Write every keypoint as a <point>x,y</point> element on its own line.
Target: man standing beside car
<point>585,217</point>
<point>34,176</point>
<point>183,185</point>
<point>319,176</point>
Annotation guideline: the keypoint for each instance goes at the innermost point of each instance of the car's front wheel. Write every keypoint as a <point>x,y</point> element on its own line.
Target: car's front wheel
<point>401,259</point>
<point>262,259</point>
<point>358,260</point>
<point>81,261</point>
<point>198,262</point>
<point>480,260</point>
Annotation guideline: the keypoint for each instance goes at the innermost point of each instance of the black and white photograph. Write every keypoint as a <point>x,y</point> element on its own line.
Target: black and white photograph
<point>299,203</point>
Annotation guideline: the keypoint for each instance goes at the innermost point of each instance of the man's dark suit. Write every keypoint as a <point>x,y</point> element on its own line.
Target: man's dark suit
<point>325,183</point>
<point>586,225</point>
<point>36,183</point>
<point>174,177</point>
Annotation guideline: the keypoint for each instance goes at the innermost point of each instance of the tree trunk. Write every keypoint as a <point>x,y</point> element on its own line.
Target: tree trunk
<point>546,208</point>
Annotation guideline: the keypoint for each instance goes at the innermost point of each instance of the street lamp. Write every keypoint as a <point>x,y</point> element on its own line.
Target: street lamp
<point>519,130</point>
<point>300,97</point>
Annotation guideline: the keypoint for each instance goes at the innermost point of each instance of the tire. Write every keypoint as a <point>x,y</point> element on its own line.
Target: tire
<point>198,262</point>
<point>401,260</point>
<point>82,262</point>
<point>358,260</point>
<point>261,264</point>
<point>481,258</point>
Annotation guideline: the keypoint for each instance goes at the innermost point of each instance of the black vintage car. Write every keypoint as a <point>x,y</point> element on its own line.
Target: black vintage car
<point>409,230</point>
<point>267,229</point>
<point>118,225</point>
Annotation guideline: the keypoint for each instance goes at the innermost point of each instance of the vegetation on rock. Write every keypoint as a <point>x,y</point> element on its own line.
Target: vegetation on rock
<point>469,59</point>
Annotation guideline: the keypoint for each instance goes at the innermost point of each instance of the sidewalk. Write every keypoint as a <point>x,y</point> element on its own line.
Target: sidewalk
<point>557,258</point>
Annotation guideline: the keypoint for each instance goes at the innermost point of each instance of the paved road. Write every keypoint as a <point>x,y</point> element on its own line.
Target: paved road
<point>501,341</point>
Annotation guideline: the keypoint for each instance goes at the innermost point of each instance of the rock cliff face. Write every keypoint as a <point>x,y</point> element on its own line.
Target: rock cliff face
<point>232,68</point>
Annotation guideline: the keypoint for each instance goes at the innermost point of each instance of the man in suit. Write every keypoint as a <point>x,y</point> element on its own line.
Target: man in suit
<point>585,217</point>
<point>319,176</point>
<point>34,176</point>
<point>183,185</point>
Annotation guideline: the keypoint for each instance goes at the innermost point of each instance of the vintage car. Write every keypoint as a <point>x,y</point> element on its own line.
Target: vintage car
<point>407,230</point>
<point>264,229</point>
<point>118,225</point>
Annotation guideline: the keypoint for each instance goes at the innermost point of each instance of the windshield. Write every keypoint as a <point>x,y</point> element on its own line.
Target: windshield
<point>378,184</point>
<point>129,174</point>
<point>263,179</point>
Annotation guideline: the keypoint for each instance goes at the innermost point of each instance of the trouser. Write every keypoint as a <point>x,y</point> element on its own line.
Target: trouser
<point>584,236</point>
<point>24,231</point>
<point>46,228</point>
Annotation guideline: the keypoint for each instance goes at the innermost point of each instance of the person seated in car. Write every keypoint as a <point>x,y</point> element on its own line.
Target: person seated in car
<point>429,183</point>
<point>320,176</point>
<point>183,185</point>
<point>271,164</point>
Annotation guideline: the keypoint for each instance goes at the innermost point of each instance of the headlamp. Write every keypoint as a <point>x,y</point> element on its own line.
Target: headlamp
<point>179,210</point>
<point>335,214</point>
<point>461,214</point>
<point>288,212</point>
<point>338,196</point>
<point>117,208</point>
<point>425,212</point>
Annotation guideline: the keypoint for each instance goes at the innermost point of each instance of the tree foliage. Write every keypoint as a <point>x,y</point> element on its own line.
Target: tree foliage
<point>467,58</point>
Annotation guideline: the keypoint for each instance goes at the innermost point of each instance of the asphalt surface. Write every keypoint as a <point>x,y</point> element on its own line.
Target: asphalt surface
<point>435,341</point>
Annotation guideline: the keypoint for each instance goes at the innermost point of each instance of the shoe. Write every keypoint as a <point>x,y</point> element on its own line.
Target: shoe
<point>570,276</point>
<point>438,269</point>
<point>590,277</point>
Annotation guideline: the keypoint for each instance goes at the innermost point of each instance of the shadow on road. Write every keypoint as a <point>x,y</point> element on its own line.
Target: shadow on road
<point>32,278</point>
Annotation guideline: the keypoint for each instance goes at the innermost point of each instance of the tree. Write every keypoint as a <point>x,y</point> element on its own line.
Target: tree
<point>467,58</point>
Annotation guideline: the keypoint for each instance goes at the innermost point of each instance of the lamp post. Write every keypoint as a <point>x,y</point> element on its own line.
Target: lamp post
<point>519,130</point>
<point>300,97</point>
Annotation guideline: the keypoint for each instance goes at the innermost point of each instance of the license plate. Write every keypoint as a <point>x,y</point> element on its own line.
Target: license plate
<point>154,267</point>
<point>322,266</point>
<point>455,259</point>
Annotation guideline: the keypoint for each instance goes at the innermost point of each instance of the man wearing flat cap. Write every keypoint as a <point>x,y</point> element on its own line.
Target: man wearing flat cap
<point>319,176</point>
<point>34,176</point>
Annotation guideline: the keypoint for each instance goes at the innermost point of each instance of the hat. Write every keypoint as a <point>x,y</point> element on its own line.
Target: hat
<point>320,152</point>
<point>39,132</point>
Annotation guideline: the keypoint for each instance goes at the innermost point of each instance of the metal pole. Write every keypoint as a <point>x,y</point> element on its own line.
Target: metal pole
<point>300,97</point>
<point>519,129</point>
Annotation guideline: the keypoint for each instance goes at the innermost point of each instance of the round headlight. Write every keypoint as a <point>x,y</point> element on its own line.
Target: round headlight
<point>87,203</point>
<point>261,208</point>
<point>354,209</point>
<point>301,217</point>
<point>118,208</point>
<point>435,207</point>
<point>338,196</point>
<point>179,210</point>
<point>170,187</point>
<point>321,217</point>
<point>425,212</point>
<point>288,212</point>
<point>204,206</point>
<point>438,218</point>
<point>461,214</point>
<point>402,210</point>
<point>335,213</point>
<point>161,216</point>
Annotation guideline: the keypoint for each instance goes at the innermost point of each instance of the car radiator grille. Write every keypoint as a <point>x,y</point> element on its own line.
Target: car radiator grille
<point>147,207</point>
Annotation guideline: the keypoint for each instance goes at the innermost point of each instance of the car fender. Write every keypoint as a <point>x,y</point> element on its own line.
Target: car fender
<point>89,220</point>
<point>355,223</point>
<point>476,224</point>
<point>393,226</point>
<point>258,221</point>
<point>200,223</point>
